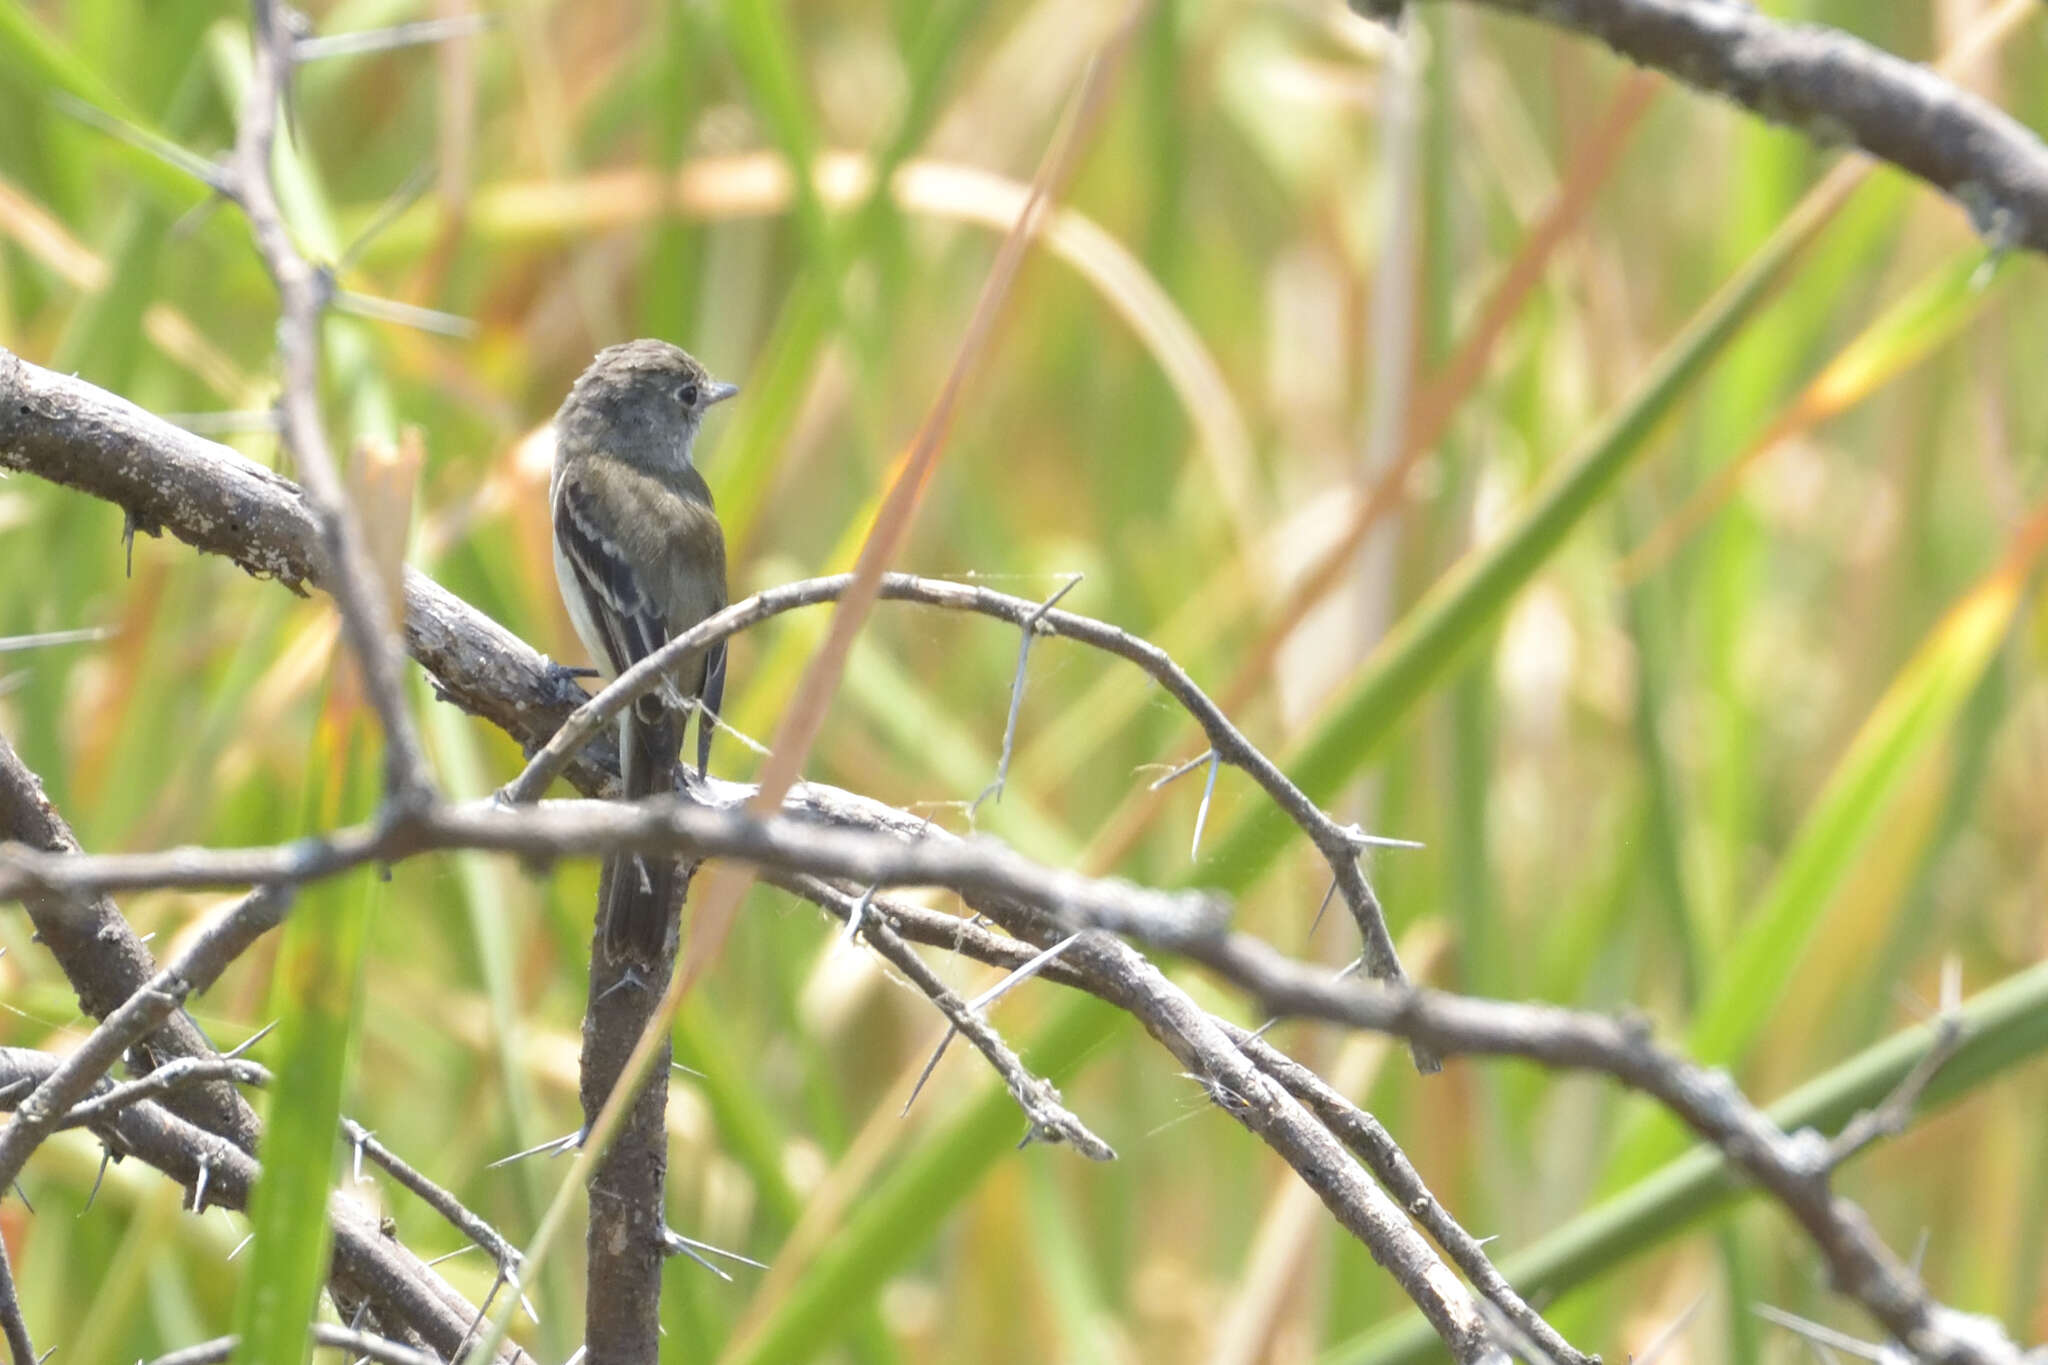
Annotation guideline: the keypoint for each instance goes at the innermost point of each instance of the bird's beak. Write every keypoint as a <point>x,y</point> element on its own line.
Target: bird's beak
<point>718,393</point>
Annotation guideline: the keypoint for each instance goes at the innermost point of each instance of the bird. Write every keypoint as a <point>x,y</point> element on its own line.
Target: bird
<point>640,558</point>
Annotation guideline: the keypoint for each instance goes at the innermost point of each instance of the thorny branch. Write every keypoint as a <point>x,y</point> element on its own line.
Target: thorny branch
<point>303,292</point>
<point>558,829</point>
<point>367,1262</point>
<point>1340,845</point>
<point>479,658</point>
<point>103,959</point>
<point>1825,83</point>
<point>109,966</point>
<point>1037,1097</point>
<point>37,1116</point>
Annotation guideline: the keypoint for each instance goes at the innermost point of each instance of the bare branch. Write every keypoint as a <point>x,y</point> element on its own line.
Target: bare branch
<point>101,956</point>
<point>1792,1168</point>
<point>1339,844</point>
<point>37,1116</point>
<point>1129,980</point>
<point>558,829</point>
<point>1832,87</point>
<point>625,1241</point>
<point>1362,1133</point>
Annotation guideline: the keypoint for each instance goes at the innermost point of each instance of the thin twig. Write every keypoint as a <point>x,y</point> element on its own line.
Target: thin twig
<point>180,1071</point>
<point>12,1324</point>
<point>303,294</point>
<point>433,1196</point>
<point>1050,1120</point>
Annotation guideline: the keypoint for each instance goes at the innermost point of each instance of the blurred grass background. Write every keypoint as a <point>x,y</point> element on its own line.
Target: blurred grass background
<point>1745,727</point>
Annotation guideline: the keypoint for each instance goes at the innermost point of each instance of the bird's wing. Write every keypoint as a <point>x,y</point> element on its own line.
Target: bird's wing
<point>626,623</point>
<point>665,578</point>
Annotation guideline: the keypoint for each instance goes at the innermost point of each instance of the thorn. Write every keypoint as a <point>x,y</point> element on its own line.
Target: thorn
<point>552,1147</point>
<point>106,1157</point>
<point>250,1041</point>
<point>1827,1336</point>
<point>628,979</point>
<point>392,209</point>
<point>1022,974</point>
<point>1317,922</point>
<point>451,1255</point>
<point>1361,841</point>
<point>224,423</point>
<point>952,1031</point>
<point>678,1249</point>
<point>1202,811</point>
<point>199,1189</point>
<point>404,314</point>
<point>10,644</point>
<point>239,1246</point>
<point>22,1194</point>
<point>670,1234</point>
<point>1184,769</point>
<point>163,149</point>
<point>413,34</point>
<point>1919,1255</point>
<point>856,915</point>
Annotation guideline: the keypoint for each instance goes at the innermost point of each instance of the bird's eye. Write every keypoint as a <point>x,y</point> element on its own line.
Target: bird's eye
<point>688,393</point>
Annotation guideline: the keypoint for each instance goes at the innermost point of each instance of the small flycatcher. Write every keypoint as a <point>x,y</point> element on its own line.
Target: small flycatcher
<point>640,558</point>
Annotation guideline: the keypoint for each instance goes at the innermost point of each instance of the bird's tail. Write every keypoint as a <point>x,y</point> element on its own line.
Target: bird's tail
<point>638,892</point>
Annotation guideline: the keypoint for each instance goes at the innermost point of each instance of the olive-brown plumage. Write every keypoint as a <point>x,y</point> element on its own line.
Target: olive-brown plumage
<point>640,558</point>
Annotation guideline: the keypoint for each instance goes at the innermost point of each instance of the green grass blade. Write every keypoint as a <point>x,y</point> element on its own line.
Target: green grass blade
<point>1751,978</point>
<point>2007,1026</point>
<point>1434,634</point>
<point>901,1216</point>
<point>317,994</point>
